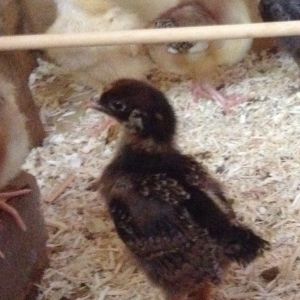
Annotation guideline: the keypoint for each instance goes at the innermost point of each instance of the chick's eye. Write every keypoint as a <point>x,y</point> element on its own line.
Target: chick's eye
<point>118,106</point>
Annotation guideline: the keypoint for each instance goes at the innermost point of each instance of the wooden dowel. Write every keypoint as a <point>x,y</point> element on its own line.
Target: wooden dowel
<point>151,36</point>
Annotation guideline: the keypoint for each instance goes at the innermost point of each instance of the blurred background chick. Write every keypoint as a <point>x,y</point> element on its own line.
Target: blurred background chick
<point>201,59</point>
<point>98,65</point>
<point>148,10</point>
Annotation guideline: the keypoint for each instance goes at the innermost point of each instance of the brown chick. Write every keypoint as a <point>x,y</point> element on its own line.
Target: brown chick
<point>169,211</point>
<point>283,10</point>
<point>201,59</point>
<point>14,147</point>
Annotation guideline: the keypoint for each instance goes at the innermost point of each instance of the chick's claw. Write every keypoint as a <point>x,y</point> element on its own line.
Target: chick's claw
<point>4,197</point>
<point>205,90</point>
<point>8,195</point>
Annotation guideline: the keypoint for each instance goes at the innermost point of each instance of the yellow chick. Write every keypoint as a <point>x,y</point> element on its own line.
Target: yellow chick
<point>200,59</point>
<point>96,65</point>
<point>148,10</point>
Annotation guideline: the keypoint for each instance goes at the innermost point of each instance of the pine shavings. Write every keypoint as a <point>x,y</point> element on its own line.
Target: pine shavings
<point>255,151</point>
<point>60,189</point>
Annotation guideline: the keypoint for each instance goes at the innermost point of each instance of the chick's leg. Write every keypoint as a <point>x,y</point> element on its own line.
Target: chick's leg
<point>4,197</point>
<point>203,293</point>
<point>108,124</point>
<point>206,90</point>
<point>100,127</point>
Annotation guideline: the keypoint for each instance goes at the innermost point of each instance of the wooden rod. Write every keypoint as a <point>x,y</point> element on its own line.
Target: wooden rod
<point>151,36</point>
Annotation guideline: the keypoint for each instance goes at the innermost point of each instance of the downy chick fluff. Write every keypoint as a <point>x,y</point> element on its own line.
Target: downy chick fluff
<point>169,211</point>
<point>96,65</point>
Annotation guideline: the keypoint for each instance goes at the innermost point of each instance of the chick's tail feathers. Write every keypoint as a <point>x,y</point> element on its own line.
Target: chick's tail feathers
<point>244,245</point>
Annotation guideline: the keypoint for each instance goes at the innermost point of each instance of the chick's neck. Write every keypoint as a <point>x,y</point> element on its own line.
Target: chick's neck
<point>144,144</point>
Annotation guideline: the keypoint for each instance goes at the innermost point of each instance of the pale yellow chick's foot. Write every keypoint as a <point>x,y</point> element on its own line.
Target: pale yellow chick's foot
<point>206,90</point>
<point>4,197</point>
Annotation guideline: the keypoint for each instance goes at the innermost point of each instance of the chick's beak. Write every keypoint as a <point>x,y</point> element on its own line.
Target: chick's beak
<point>95,104</point>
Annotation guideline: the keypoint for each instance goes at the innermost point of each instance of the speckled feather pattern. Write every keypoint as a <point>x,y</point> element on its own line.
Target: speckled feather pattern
<point>151,219</point>
<point>164,212</point>
<point>200,60</point>
<point>189,13</point>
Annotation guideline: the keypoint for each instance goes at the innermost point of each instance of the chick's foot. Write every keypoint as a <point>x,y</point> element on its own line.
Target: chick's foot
<point>4,197</point>
<point>205,90</point>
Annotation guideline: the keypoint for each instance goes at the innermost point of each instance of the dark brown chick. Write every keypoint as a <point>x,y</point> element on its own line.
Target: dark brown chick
<point>283,10</point>
<point>171,214</point>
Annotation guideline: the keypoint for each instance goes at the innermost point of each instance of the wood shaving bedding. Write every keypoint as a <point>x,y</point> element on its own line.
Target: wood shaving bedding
<point>255,151</point>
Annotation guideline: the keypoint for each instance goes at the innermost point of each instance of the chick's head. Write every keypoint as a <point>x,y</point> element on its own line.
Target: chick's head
<point>142,109</point>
